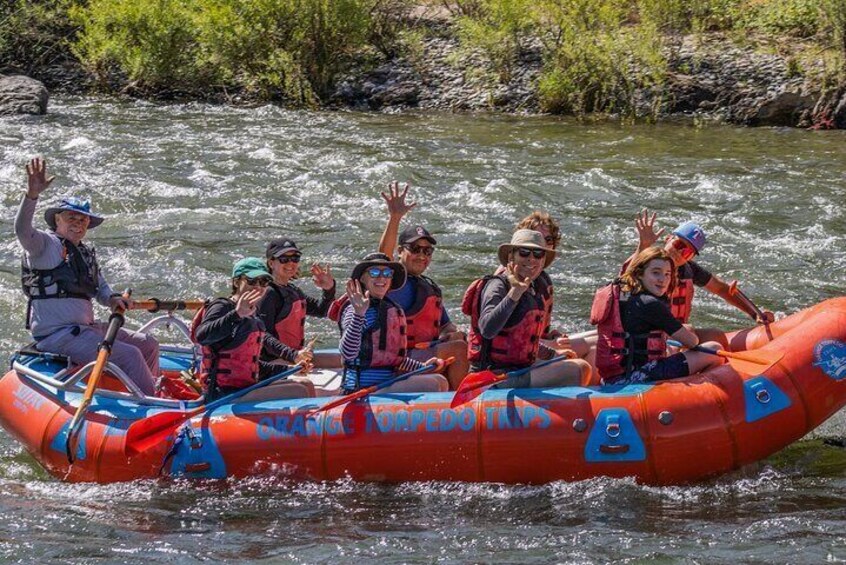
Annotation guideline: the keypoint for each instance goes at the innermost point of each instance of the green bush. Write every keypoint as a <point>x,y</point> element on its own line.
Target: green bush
<point>683,16</point>
<point>34,33</point>
<point>594,61</point>
<point>498,29</point>
<point>781,17</point>
<point>290,49</point>
<point>153,42</point>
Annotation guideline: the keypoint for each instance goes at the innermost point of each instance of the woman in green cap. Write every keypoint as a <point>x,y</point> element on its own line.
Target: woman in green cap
<point>233,337</point>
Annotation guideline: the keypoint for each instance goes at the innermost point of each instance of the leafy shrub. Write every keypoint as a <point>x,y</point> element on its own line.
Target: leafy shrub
<point>34,33</point>
<point>152,41</point>
<point>274,48</point>
<point>498,29</point>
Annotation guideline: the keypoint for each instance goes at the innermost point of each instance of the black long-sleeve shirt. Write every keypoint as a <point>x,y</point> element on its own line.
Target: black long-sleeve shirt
<point>222,325</point>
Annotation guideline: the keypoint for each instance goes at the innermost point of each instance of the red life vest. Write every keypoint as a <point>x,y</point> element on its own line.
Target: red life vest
<point>231,365</point>
<point>514,346</point>
<point>681,300</point>
<point>290,329</point>
<point>423,317</point>
<point>615,347</point>
<point>546,291</point>
<point>384,345</point>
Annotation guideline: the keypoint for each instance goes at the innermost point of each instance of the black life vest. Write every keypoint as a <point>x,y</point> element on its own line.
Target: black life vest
<point>77,276</point>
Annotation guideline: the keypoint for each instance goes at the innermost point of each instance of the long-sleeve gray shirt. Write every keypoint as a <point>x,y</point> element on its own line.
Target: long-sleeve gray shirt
<point>44,250</point>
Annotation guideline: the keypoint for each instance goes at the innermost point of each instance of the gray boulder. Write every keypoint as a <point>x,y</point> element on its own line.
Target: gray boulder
<point>22,95</point>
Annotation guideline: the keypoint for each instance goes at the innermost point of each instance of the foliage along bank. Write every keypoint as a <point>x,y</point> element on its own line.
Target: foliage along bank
<point>583,57</point>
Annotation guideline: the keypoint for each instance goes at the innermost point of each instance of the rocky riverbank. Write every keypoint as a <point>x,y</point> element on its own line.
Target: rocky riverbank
<point>709,77</point>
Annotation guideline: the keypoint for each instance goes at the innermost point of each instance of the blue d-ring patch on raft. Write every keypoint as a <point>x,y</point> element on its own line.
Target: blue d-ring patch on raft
<point>197,455</point>
<point>614,438</point>
<point>763,398</point>
<point>830,356</point>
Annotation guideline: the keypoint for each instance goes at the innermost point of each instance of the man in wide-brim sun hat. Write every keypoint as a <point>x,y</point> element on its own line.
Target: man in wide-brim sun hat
<point>61,278</point>
<point>373,341</point>
<point>507,318</point>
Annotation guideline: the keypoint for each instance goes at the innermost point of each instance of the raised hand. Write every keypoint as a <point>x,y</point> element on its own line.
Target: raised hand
<point>247,302</point>
<point>360,300</point>
<point>322,276</point>
<point>519,284</point>
<point>37,180</point>
<point>645,225</point>
<point>397,207</point>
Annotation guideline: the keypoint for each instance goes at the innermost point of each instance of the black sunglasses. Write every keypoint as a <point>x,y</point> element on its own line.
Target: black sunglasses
<point>536,253</point>
<point>261,281</point>
<point>288,259</point>
<point>427,250</point>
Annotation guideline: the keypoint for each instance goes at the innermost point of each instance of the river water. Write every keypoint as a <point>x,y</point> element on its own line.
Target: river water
<point>189,189</point>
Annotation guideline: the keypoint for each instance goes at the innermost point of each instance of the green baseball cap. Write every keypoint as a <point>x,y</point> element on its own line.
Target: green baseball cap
<point>250,267</point>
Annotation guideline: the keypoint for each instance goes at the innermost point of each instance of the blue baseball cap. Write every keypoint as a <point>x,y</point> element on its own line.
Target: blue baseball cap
<point>72,204</point>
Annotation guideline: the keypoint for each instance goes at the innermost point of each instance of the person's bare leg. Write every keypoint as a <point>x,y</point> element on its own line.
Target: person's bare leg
<point>698,361</point>
<point>573,372</point>
<point>430,382</point>
<point>456,372</point>
<point>713,334</point>
<point>276,391</point>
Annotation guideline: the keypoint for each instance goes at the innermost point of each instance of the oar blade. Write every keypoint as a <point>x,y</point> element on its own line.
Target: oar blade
<point>753,362</point>
<point>146,433</point>
<point>475,380</point>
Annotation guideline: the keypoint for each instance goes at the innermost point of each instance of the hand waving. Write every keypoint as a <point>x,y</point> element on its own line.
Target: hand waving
<point>247,302</point>
<point>645,225</point>
<point>36,177</point>
<point>396,200</point>
<point>360,301</point>
<point>322,276</point>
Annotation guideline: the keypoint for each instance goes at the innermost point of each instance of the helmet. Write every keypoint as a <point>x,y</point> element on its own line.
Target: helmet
<point>693,234</point>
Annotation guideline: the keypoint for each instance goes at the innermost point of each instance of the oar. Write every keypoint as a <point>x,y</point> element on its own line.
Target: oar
<point>481,379</point>
<point>762,359</point>
<point>103,351</point>
<point>148,432</point>
<point>157,305</point>
<point>759,314</point>
<point>371,389</point>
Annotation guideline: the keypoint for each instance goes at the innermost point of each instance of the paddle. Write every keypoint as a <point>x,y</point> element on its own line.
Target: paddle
<point>760,359</point>
<point>371,389</point>
<point>481,379</point>
<point>103,351</point>
<point>759,314</point>
<point>148,432</point>
<point>154,305</point>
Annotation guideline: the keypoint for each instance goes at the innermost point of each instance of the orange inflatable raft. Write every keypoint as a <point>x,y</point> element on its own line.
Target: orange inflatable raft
<point>665,433</point>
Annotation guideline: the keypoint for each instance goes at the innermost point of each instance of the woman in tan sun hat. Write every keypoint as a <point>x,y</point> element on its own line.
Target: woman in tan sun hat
<point>508,314</point>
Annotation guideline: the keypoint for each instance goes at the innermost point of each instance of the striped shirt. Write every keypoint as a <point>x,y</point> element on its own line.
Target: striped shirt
<point>353,327</point>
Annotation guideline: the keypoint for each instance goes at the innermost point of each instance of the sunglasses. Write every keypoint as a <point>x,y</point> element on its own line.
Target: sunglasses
<point>427,250</point>
<point>261,281</point>
<point>536,253</point>
<point>288,259</point>
<point>376,272</point>
<point>549,240</point>
<point>685,249</point>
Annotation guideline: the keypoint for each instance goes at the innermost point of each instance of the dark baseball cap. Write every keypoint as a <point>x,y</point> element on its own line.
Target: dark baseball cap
<point>278,247</point>
<point>413,233</point>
